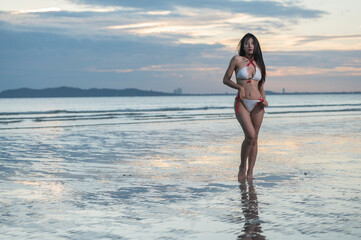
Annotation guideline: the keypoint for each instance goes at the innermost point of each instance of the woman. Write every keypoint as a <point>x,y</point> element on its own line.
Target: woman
<point>249,104</point>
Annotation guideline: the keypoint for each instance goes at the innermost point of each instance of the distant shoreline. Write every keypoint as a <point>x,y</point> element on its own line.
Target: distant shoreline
<point>129,92</point>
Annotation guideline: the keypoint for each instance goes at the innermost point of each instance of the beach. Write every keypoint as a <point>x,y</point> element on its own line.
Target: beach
<point>166,168</point>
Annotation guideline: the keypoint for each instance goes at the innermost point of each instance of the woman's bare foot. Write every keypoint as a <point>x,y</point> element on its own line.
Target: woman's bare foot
<point>250,176</point>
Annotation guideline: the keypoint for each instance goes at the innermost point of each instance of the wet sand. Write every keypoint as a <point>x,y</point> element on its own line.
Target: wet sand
<point>179,181</point>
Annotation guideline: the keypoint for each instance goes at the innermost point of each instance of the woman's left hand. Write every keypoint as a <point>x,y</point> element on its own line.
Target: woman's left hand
<point>265,103</point>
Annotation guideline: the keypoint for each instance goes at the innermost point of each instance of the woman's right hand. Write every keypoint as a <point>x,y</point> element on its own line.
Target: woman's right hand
<point>241,93</point>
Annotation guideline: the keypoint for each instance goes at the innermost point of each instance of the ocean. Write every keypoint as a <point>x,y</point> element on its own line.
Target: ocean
<point>166,168</point>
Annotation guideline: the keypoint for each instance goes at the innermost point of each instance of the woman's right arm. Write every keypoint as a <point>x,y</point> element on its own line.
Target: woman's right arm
<point>227,76</point>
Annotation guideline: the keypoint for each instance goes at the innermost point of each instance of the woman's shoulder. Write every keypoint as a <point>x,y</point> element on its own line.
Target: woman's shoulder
<point>237,58</point>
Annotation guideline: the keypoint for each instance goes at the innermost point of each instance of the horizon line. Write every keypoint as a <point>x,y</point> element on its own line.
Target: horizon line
<point>184,94</point>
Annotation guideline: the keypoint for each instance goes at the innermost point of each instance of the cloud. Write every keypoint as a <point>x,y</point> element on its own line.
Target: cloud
<point>41,10</point>
<point>65,6</point>
<point>326,59</point>
<point>256,8</point>
<point>315,38</point>
<point>284,42</point>
<point>162,68</point>
<point>163,45</point>
<point>37,59</point>
<point>171,22</point>
<point>328,70</point>
<point>309,70</point>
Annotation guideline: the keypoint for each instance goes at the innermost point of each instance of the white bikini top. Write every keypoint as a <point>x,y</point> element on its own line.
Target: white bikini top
<point>243,73</point>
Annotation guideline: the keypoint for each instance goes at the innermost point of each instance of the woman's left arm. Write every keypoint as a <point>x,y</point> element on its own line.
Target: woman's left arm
<point>263,94</point>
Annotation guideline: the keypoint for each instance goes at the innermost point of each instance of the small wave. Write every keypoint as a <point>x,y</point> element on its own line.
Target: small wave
<point>9,121</point>
<point>112,111</point>
<point>316,105</point>
<point>32,112</point>
<point>140,121</point>
<point>72,118</point>
<point>170,109</point>
<point>318,111</point>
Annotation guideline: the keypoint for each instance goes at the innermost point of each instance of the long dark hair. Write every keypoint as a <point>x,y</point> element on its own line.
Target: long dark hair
<point>257,54</point>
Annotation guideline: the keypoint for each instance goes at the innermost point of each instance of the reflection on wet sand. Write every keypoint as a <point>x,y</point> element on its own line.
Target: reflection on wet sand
<point>252,225</point>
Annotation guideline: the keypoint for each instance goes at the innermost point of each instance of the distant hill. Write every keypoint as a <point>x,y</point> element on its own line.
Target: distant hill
<point>77,92</point>
<point>104,92</point>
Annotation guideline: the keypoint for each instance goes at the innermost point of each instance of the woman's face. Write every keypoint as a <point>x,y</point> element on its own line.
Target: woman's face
<point>249,46</point>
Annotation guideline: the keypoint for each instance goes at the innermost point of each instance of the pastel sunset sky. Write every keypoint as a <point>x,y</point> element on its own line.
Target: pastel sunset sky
<point>308,45</point>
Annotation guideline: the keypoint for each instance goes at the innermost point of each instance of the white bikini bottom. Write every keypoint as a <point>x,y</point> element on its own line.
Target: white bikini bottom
<point>250,104</point>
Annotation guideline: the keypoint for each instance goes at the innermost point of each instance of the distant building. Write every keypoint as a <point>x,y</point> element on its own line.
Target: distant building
<point>283,90</point>
<point>177,91</point>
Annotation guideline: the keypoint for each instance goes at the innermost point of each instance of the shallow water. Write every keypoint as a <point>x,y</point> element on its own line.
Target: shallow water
<point>177,180</point>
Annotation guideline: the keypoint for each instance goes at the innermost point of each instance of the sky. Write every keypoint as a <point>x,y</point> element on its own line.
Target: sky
<point>161,45</point>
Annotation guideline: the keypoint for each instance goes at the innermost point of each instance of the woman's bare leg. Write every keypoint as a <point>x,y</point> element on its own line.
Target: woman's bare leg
<point>244,119</point>
<point>256,118</point>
